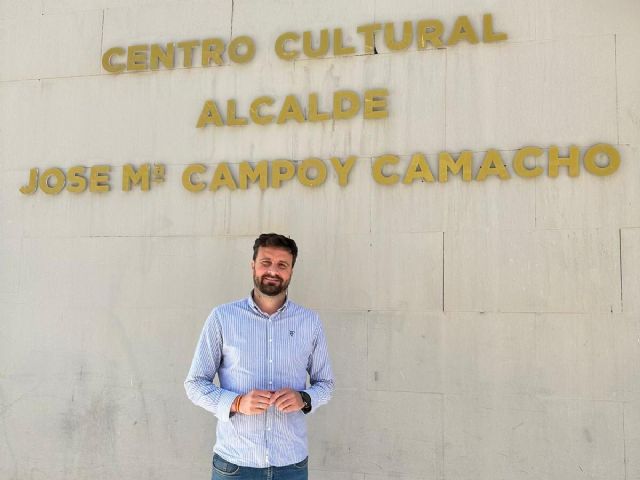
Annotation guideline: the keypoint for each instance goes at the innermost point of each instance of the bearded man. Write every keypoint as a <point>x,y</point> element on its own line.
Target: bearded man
<point>262,348</point>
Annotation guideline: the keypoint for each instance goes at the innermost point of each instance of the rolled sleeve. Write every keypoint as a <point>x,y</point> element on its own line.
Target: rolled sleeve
<point>321,378</point>
<point>199,382</point>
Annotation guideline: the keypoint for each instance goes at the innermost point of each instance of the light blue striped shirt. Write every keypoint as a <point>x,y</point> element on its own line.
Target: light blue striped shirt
<point>250,349</point>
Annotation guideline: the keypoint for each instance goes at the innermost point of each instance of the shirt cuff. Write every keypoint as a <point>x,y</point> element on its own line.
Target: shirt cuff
<point>224,405</point>
<point>314,399</point>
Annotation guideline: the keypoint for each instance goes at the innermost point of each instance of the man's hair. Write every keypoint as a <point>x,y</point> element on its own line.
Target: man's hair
<point>277,241</point>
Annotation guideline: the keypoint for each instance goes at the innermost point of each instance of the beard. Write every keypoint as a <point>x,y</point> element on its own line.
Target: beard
<point>270,285</point>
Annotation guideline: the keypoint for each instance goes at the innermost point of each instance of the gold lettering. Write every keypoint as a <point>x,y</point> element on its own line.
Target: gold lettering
<point>343,169</point>
<point>210,114</point>
<point>187,177</point>
<point>353,100</point>
<point>246,173</point>
<point>281,42</point>
<point>247,43</point>
<point>572,161</point>
<point>254,111</point>
<point>212,49</point>
<point>418,170</point>
<point>32,186</point>
<point>232,119</point>
<point>463,30</point>
<point>429,31</point>
<point>307,165</point>
<point>369,31</point>
<point>378,170</point>
<point>107,63</point>
<point>76,182</point>
<point>57,186</point>
<point>281,170</point>
<point>130,176</point>
<point>314,114</point>
<point>520,167</point>
<point>338,44</point>
<point>187,47</point>
<point>446,163</point>
<point>375,103</point>
<point>158,55</point>
<point>605,149</point>
<point>488,35</point>
<point>291,110</point>
<point>492,165</point>
<point>389,36</point>
<point>222,178</point>
<point>307,44</point>
<point>99,178</point>
<point>137,58</point>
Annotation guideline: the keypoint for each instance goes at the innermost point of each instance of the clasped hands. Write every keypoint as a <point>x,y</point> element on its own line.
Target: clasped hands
<point>256,402</point>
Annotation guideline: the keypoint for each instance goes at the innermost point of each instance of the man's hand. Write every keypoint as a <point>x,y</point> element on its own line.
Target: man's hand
<point>255,402</point>
<point>287,400</point>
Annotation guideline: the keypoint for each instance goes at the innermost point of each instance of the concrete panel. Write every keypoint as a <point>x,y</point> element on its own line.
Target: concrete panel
<point>532,271</point>
<point>326,475</point>
<point>325,257</point>
<point>574,18</point>
<point>151,272</point>
<point>377,435</point>
<point>630,257</point>
<point>627,353</point>
<point>405,352</point>
<point>20,124</point>
<point>346,334</point>
<point>627,75</point>
<point>632,439</point>
<point>415,104</point>
<point>488,353</point>
<point>531,94</point>
<point>29,52</point>
<point>95,428</point>
<point>10,9</point>
<point>517,19</point>
<point>66,6</point>
<point>168,22</point>
<point>522,437</point>
<point>581,356</point>
<point>590,201</point>
<point>346,209</point>
<point>85,126</point>
<point>11,261</point>
<point>251,16</point>
<point>167,209</point>
<point>423,269</point>
<point>454,205</point>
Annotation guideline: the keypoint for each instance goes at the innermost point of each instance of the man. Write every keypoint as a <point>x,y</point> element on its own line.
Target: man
<point>262,348</point>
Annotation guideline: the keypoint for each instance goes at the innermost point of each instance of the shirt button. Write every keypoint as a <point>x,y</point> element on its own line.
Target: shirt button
<point>270,340</point>
<point>270,383</point>
<point>270,361</point>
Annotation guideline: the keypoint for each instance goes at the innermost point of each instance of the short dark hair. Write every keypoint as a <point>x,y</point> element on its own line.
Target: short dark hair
<point>277,241</point>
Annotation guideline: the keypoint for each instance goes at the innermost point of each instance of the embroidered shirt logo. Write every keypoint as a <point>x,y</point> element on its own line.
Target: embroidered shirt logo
<point>291,332</point>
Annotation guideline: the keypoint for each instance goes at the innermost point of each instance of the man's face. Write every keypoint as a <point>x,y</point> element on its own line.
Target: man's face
<point>272,270</point>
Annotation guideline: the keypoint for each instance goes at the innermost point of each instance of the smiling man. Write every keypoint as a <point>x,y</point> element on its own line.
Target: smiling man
<point>262,348</point>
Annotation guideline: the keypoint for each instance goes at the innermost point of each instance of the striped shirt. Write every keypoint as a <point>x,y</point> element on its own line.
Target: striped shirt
<point>249,350</point>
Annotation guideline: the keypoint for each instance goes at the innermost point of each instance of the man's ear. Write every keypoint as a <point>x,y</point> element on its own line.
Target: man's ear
<point>253,264</point>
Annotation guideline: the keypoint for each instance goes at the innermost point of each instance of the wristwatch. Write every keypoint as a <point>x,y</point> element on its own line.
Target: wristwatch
<point>306,400</point>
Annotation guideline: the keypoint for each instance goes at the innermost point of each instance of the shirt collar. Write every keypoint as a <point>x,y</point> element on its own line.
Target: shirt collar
<point>256,308</point>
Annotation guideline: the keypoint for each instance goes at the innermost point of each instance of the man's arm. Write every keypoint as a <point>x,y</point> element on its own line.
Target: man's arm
<point>206,361</point>
<point>320,373</point>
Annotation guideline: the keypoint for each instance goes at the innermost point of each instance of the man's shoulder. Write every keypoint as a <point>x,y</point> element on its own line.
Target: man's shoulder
<point>231,308</point>
<point>297,309</point>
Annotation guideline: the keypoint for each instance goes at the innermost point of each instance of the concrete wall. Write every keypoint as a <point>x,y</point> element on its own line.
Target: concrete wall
<point>483,330</point>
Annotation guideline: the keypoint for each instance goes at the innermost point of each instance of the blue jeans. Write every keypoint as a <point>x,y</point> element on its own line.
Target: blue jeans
<point>223,470</point>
